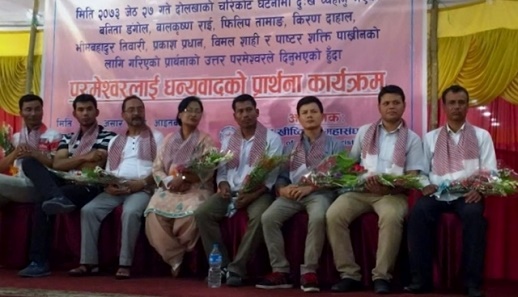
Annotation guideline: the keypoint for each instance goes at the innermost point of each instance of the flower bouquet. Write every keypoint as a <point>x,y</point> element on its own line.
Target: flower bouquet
<point>343,172</point>
<point>259,173</point>
<point>502,182</point>
<point>256,178</point>
<point>335,171</point>
<point>204,164</point>
<point>87,176</point>
<point>407,181</point>
<point>5,139</point>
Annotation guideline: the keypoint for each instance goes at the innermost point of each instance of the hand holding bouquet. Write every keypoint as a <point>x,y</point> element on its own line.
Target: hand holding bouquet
<point>203,164</point>
<point>502,182</point>
<point>341,171</point>
<point>406,181</point>
<point>335,171</point>
<point>256,178</point>
<point>87,176</point>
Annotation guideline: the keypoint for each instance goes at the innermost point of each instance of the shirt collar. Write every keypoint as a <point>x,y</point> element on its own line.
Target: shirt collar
<point>380,125</point>
<point>449,130</point>
<point>305,138</point>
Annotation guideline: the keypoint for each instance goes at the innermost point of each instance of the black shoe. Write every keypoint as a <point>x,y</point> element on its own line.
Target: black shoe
<point>58,205</point>
<point>475,292</point>
<point>381,286</point>
<point>415,288</point>
<point>234,279</point>
<point>347,285</point>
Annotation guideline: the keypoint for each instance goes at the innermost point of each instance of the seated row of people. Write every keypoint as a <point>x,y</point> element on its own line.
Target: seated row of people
<point>179,208</point>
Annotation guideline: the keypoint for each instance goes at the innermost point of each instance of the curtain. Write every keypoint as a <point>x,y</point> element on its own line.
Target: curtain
<point>13,73</point>
<point>478,50</point>
<point>485,63</point>
<point>13,120</point>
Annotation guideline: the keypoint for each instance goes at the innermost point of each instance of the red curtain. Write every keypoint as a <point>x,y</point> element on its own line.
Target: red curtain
<point>14,121</point>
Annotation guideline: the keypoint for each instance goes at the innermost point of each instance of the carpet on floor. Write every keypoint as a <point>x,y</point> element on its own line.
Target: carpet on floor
<point>59,284</point>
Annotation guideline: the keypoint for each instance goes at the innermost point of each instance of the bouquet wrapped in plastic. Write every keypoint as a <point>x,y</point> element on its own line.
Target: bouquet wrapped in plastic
<point>335,171</point>
<point>203,164</point>
<point>342,172</point>
<point>259,173</point>
<point>502,182</point>
<point>257,177</point>
<point>407,181</point>
<point>96,176</point>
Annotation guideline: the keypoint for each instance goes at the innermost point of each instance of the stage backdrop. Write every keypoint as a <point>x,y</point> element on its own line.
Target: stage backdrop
<point>342,51</point>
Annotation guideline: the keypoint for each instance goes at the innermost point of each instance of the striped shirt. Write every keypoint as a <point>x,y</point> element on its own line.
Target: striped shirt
<point>102,141</point>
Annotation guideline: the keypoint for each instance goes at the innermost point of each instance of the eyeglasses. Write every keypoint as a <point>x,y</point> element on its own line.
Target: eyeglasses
<point>192,111</point>
<point>135,109</point>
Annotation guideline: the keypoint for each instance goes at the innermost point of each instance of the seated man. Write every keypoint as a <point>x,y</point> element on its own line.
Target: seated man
<point>34,140</point>
<point>248,144</point>
<point>130,156</point>
<point>313,146</point>
<point>453,152</point>
<point>84,149</point>
<point>387,146</point>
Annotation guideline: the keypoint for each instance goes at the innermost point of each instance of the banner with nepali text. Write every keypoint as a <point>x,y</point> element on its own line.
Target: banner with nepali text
<point>342,51</point>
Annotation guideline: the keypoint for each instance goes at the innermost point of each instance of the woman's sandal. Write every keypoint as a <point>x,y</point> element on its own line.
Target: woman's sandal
<point>84,270</point>
<point>123,272</point>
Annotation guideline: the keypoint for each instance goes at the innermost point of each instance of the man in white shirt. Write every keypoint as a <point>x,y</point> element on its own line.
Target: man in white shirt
<point>453,152</point>
<point>130,156</point>
<point>248,144</point>
<point>386,146</point>
<point>34,140</point>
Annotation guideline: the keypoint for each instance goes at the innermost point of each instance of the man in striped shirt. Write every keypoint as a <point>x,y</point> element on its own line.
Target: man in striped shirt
<point>86,148</point>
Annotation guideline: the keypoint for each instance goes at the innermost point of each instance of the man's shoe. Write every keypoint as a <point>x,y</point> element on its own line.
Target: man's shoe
<point>309,282</point>
<point>35,270</point>
<point>475,292</point>
<point>347,285</point>
<point>58,205</point>
<point>381,286</point>
<point>234,279</point>
<point>416,288</point>
<point>275,280</point>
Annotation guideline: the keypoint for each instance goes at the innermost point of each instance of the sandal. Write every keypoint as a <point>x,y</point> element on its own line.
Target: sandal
<point>123,272</point>
<point>84,270</point>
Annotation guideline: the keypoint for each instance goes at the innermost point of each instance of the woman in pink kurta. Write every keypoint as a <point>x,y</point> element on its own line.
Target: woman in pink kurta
<point>170,225</point>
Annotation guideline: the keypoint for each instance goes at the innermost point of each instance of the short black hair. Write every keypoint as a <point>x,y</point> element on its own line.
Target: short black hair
<point>84,98</point>
<point>183,105</point>
<point>29,98</point>
<point>308,100</point>
<point>391,89</point>
<point>130,98</point>
<point>453,89</point>
<point>243,98</point>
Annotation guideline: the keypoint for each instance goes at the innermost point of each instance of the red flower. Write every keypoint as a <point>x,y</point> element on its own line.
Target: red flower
<point>358,168</point>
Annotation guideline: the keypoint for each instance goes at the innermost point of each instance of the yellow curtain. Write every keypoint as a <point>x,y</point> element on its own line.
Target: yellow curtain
<point>13,68</point>
<point>13,73</point>
<point>478,49</point>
